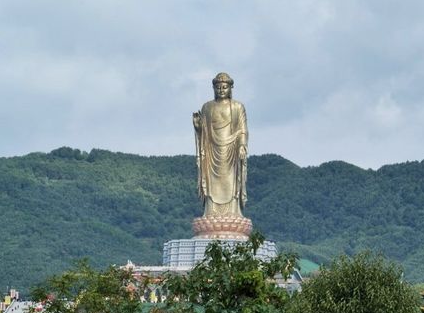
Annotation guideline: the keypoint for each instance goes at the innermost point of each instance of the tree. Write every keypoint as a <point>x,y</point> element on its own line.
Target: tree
<point>231,279</point>
<point>362,284</point>
<point>86,290</point>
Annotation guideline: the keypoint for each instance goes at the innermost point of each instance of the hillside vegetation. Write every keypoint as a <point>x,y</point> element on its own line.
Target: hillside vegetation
<point>67,204</point>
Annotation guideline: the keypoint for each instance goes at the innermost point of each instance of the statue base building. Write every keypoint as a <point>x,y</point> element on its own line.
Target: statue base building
<point>188,252</point>
<point>181,255</point>
<point>228,229</point>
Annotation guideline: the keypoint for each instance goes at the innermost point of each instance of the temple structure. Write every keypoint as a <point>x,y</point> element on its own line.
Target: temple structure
<point>221,154</point>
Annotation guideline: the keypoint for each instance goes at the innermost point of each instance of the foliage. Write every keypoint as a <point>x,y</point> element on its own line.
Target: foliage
<point>231,279</point>
<point>84,289</point>
<point>419,288</point>
<point>111,207</point>
<point>365,283</point>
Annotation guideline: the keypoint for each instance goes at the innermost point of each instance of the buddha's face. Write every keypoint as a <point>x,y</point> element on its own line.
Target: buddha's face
<point>222,91</point>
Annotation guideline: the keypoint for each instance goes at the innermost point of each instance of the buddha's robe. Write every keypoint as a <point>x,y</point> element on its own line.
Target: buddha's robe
<point>222,174</point>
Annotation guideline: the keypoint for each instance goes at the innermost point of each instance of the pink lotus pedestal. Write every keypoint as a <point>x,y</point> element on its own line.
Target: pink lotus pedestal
<point>222,227</point>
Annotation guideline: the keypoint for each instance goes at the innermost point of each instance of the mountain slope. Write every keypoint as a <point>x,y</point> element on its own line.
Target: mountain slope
<point>111,207</point>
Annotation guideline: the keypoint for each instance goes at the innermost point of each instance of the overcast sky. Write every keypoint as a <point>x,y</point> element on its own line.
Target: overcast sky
<point>321,80</point>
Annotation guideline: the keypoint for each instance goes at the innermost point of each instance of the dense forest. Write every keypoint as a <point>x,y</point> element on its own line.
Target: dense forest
<point>67,204</point>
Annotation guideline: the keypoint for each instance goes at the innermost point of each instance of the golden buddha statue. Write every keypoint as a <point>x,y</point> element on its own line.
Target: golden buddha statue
<point>221,151</point>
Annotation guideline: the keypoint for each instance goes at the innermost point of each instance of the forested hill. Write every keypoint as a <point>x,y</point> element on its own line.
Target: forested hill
<point>67,204</point>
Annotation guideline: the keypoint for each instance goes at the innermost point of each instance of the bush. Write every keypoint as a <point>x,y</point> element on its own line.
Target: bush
<point>365,283</point>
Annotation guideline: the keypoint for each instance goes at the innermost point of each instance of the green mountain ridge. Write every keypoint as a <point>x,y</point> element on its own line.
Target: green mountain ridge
<point>111,207</point>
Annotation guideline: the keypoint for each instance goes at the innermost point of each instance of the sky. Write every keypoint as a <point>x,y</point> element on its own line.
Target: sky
<point>321,80</point>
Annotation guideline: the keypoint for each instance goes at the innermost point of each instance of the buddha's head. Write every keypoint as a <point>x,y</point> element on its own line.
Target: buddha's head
<point>222,85</point>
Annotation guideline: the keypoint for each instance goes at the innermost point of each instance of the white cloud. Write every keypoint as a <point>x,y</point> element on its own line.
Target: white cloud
<point>387,113</point>
<point>349,126</point>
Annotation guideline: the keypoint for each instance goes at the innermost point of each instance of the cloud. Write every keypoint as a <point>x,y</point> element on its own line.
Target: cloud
<point>320,80</point>
<point>349,126</point>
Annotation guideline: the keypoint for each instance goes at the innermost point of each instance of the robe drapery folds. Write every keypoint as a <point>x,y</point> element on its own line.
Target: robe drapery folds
<point>221,172</point>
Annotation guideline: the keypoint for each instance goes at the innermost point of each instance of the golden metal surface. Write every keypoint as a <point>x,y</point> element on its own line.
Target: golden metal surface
<point>221,151</point>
